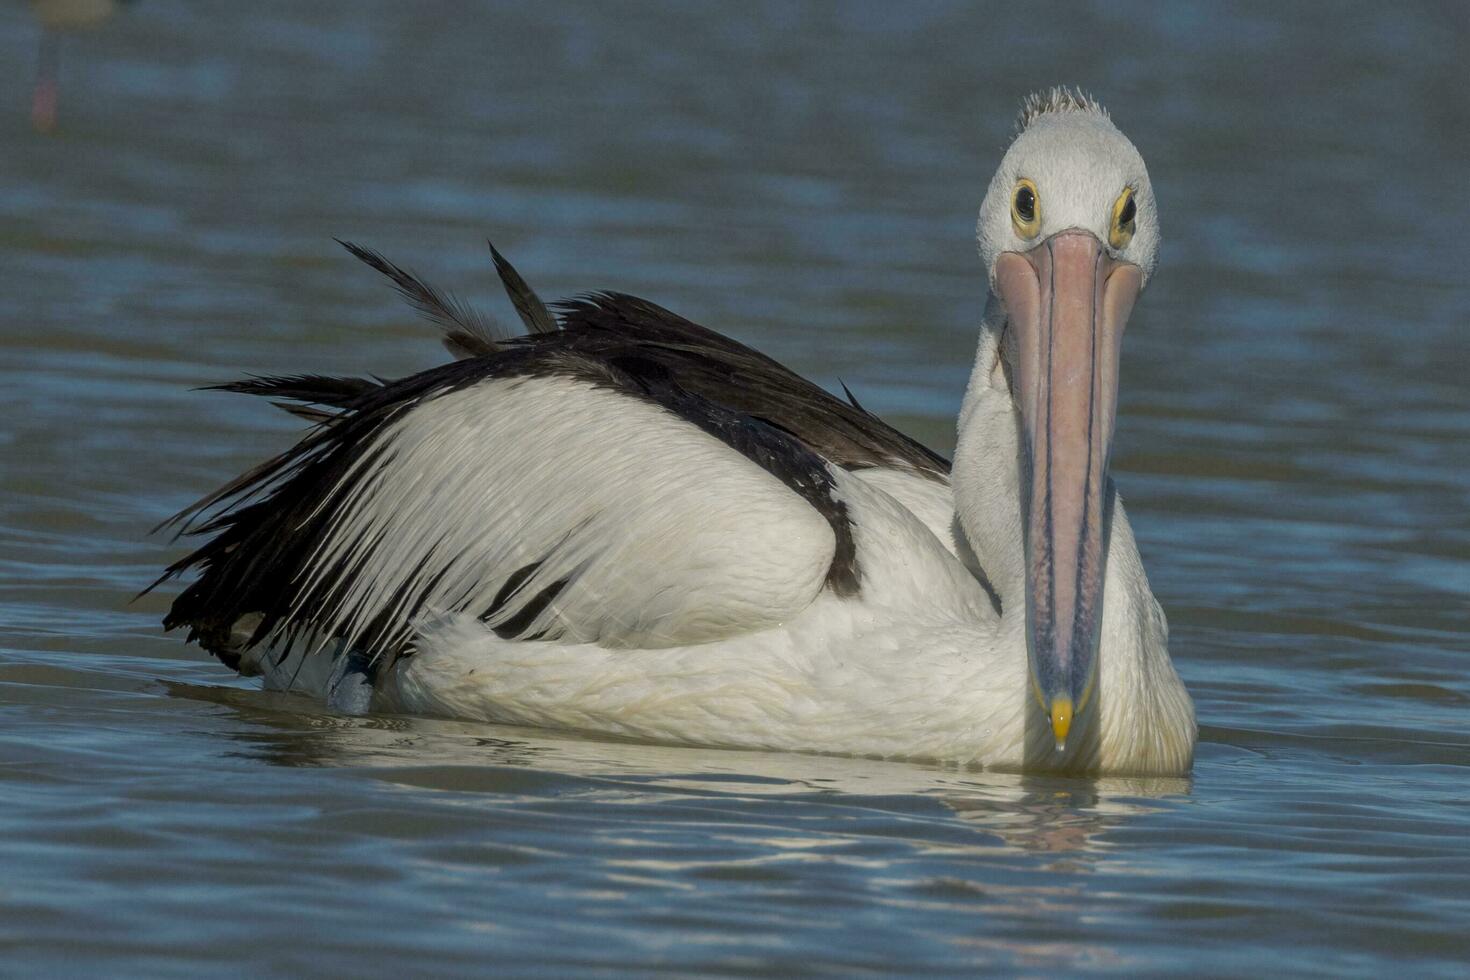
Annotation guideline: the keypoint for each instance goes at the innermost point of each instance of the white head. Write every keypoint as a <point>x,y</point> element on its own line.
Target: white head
<point>1079,167</point>
<point>1069,234</point>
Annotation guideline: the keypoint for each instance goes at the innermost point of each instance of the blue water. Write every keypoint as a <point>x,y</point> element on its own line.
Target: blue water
<point>1292,441</point>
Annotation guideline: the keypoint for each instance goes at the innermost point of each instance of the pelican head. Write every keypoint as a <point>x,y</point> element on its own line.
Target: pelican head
<point>1069,235</point>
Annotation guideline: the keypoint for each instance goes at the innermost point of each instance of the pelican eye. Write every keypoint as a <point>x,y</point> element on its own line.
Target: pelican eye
<point>1125,210</point>
<point>1026,208</point>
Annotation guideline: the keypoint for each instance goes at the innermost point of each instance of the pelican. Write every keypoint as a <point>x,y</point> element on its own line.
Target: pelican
<point>627,524</point>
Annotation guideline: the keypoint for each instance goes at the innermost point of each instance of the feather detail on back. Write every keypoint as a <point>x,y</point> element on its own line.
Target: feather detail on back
<point>466,329</point>
<point>532,311</point>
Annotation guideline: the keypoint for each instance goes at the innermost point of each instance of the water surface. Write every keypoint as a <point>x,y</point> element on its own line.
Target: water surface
<point>1292,448</point>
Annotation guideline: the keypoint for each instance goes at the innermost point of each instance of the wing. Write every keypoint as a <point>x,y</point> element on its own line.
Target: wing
<point>551,505</point>
<point>727,373</point>
<point>630,479</point>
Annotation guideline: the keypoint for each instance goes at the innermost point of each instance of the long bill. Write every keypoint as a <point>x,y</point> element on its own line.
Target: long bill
<point>1067,302</point>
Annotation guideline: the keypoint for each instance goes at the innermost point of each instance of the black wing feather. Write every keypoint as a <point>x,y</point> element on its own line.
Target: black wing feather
<point>733,375</point>
<point>265,527</point>
<point>532,311</point>
<point>463,325</point>
<point>312,389</point>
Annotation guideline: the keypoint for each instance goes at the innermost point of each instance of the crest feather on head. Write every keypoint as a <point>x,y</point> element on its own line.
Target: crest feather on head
<point>1058,98</point>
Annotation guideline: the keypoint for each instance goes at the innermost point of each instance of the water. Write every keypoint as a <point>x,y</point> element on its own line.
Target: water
<point>1292,446</point>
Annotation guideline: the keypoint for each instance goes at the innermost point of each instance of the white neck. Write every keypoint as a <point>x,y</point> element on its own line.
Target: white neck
<point>987,471</point>
<point>1134,670</point>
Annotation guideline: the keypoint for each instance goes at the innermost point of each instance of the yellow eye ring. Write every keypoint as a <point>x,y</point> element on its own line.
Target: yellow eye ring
<point>1026,208</point>
<point>1125,213</point>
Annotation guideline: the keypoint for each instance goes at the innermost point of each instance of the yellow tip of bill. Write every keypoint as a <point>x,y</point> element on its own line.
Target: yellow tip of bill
<point>1061,721</point>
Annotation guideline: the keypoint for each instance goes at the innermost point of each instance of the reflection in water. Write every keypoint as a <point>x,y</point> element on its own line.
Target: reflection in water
<point>1063,816</point>
<point>923,840</point>
<point>1020,812</point>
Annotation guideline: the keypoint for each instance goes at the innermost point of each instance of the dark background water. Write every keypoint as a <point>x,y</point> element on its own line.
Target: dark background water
<point>1292,445</point>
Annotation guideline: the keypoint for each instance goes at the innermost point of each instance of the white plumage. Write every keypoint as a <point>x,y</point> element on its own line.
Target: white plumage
<point>610,494</point>
<point>644,530</point>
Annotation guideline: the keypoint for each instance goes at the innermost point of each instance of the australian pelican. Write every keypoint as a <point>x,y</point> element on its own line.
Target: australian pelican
<point>622,522</point>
